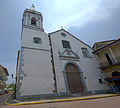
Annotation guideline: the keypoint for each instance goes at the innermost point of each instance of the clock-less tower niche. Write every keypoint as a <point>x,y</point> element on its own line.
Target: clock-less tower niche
<point>34,73</point>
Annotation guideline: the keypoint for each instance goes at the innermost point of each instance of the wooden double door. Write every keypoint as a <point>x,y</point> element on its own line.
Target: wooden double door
<point>73,79</point>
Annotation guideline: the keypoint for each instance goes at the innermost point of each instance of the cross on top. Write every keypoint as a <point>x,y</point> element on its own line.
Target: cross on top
<point>33,7</point>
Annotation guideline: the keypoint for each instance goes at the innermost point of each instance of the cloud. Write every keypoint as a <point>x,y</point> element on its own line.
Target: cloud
<point>92,11</point>
<point>68,13</point>
<point>101,27</point>
<point>105,10</point>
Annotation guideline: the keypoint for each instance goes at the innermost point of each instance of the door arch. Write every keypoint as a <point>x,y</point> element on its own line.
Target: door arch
<point>117,81</point>
<point>115,73</point>
<point>73,78</point>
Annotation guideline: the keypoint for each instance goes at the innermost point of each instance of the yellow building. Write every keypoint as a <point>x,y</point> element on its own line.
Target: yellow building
<point>3,78</point>
<point>108,54</point>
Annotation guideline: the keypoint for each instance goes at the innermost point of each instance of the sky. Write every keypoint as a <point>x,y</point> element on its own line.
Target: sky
<point>89,20</point>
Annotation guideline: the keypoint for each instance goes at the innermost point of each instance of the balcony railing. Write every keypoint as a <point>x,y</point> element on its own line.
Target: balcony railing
<point>112,62</point>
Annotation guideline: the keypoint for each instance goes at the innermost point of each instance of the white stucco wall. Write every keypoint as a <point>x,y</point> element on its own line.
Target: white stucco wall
<point>37,67</point>
<point>38,76</point>
<point>89,66</point>
<point>29,34</point>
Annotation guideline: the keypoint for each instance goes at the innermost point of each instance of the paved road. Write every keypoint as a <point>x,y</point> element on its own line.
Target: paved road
<point>111,102</point>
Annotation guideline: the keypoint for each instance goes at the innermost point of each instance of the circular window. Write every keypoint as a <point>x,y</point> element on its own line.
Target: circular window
<point>63,34</point>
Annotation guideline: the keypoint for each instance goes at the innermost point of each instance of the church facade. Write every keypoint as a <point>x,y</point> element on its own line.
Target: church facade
<point>54,64</point>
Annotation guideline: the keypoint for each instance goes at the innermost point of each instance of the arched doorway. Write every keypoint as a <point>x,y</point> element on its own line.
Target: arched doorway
<point>73,78</point>
<point>115,73</point>
<point>117,80</point>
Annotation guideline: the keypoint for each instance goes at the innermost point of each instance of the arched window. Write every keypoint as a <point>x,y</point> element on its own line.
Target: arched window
<point>37,40</point>
<point>33,21</point>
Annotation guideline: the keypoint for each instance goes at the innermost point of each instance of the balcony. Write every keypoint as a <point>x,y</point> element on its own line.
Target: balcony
<point>112,62</point>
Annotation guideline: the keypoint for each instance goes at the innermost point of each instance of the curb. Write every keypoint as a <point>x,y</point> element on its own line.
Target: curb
<point>61,100</point>
<point>5,102</point>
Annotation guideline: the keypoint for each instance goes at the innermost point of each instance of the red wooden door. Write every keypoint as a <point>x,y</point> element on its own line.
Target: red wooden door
<point>73,78</point>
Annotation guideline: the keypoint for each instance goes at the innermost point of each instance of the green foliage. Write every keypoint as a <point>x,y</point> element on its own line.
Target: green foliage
<point>10,86</point>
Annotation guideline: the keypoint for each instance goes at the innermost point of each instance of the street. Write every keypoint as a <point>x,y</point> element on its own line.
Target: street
<point>111,102</point>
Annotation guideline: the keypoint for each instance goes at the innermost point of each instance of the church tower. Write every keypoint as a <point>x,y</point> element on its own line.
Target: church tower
<point>34,73</point>
<point>32,19</point>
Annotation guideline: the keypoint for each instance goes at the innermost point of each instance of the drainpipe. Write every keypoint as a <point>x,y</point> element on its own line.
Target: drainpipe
<point>112,55</point>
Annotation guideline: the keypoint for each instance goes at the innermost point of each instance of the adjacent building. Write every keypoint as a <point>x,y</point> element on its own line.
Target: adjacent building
<point>108,54</point>
<point>54,64</point>
<point>3,78</point>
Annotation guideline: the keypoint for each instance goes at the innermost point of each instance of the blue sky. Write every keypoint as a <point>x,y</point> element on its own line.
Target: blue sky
<point>89,20</point>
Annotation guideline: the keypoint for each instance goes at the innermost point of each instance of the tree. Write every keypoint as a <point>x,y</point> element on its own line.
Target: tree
<point>10,87</point>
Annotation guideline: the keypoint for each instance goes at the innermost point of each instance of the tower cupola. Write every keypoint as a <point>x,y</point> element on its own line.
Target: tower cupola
<point>32,19</point>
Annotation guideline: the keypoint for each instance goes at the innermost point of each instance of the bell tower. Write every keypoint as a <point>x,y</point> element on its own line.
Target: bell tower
<point>32,19</point>
<point>35,75</point>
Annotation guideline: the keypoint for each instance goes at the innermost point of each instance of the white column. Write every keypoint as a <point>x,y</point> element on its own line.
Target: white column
<point>112,55</point>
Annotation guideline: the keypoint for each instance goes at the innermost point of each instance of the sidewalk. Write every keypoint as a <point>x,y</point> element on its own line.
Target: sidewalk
<point>3,98</point>
<point>63,100</point>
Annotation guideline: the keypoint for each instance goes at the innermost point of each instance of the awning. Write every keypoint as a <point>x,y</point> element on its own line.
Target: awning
<point>113,78</point>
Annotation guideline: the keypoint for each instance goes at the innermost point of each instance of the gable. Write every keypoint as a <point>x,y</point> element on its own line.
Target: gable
<point>64,31</point>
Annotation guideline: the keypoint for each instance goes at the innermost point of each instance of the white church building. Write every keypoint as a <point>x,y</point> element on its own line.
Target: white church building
<point>54,64</point>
